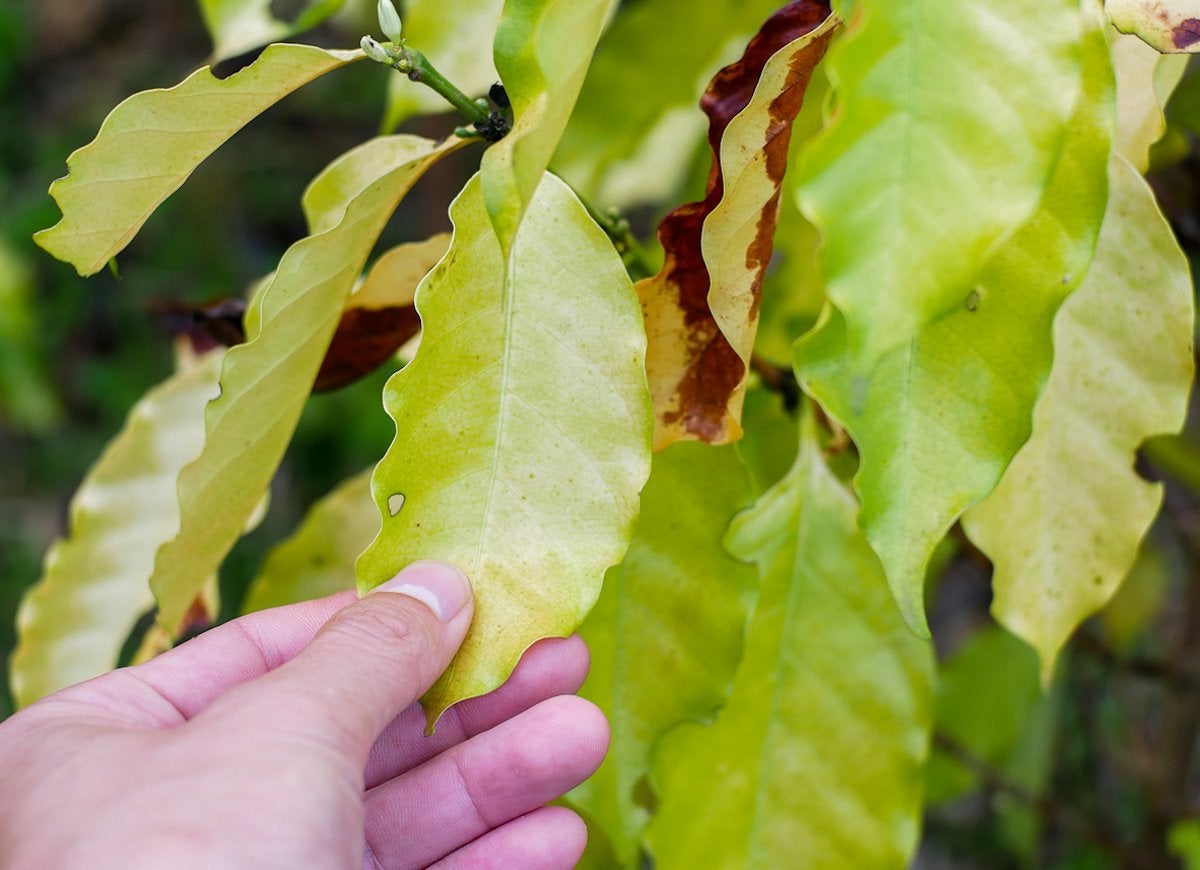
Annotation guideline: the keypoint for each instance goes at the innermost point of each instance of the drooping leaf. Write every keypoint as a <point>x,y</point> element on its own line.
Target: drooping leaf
<point>380,317</point>
<point>947,120</point>
<point>74,622</point>
<point>817,758</point>
<point>1145,80</point>
<point>522,430</point>
<point>679,600</point>
<point>151,143</point>
<point>938,418</point>
<point>236,26</point>
<point>1063,526</point>
<point>619,151</point>
<point>452,34</point>
<point>701,309</point>
<point>1166,25</point>
<point>542,52</point>
<point>318,558</point>
<point>266,381</point>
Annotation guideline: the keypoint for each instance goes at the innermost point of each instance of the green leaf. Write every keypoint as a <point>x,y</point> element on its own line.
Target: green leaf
<point>266,381</point>
<point>236,26</point>
<point>27,400</point>
<point>620,151</point>
<point>318,559</point>
<point>819,751</point>
<point>451,33</point>
<point>74,622</point>
<point>1166,25</point>
<point>946,123</point>
<point>938,419</point>
<point>522,431</point>
<point>149,145</point>
<point>1145,80</point>
<point>677,598</point>
<point>542,52</point>
<point>1063,526</point>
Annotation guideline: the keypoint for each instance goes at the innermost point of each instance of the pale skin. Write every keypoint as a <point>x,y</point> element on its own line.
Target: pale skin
<point>290,738</point>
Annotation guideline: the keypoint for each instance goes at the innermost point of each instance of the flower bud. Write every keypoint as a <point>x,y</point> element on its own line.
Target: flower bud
<point>375,51</point>
<point>389,20</point>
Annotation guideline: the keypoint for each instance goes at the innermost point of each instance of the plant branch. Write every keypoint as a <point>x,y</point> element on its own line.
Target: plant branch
<point>777,379</point>
<point>635,257</point>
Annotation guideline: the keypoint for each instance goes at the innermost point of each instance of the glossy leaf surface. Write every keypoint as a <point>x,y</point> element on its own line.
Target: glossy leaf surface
<point>1063,526</point>
<point>938,419</point>
<point>542,53</point>
<point>666,634</point>
<point>266,381</point>
<point>74,622</point>
<point>522,430</point>
<point>819,751</point>
<point>702,308</point>
<point>149,145</point>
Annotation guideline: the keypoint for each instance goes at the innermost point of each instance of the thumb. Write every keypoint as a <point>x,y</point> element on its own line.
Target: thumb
<point>368,662</point>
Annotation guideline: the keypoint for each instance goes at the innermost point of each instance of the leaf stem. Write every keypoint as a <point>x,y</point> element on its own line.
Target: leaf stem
<point>417,67</point>
<point>633,254</point>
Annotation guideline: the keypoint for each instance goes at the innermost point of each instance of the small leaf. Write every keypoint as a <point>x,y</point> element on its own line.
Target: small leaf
<point>542,53</point>
<point>380,316</point>
<point>938,419</point>
<point>318,558</point>
<point>450,33</point>
<point>74,622</point>
<point>522,431</point>
<point>1166,25</point>
<point>149,145</point>
<point>819,751</point>
<point>1063,526</point>
<point>266,381</point>
<point>702,308</point>
<point>678,597</point>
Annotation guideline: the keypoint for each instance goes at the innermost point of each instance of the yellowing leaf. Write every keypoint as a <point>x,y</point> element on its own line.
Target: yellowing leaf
<point>74,622</point>
<point>266,381</point>
<point>1063,526</point>
<point>451,33</point>
<point>702,308</point>
<point>318,558</point>
<point>678,598</point>
<point>1145,80</point>
<point>946,122</point>
<point>522,431</point>
<point>236,26</point>
<point>938,419</point>
<point>1166,25</point>
<point>816,761</point>
<point>149,145</point>
<point>542,51</point>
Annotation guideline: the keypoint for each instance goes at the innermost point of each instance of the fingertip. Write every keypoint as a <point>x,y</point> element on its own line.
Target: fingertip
<point>440,586</point>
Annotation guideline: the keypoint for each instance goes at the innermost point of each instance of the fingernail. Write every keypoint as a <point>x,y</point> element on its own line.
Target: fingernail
<point>441,587</point>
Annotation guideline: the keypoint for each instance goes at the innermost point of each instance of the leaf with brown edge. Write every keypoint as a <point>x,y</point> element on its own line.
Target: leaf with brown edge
<point>380,317</point>
<point>701,309</point>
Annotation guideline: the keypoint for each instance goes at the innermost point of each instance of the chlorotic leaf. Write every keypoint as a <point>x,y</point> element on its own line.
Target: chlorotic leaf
<point>380,317</point>
<point>1166,25</point>
<point>450,33</point>
<point>318,558</point>
<point>522,431</point>
<point>236,26</point>
<point>1145,80</point>
<point>947,120</point>
<point>678,598</point>
<point>266,381</point>
<point>702,308</point>
<point>819,752</point>
<point>938,418</point>
<point>74,621</point>
<point>149,145</point>
<point>542,52</point>
<point>1063,526</point>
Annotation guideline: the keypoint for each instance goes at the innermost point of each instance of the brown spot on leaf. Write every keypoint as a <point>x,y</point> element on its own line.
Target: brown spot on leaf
<point>1186,33</point>
<point>365,339</point>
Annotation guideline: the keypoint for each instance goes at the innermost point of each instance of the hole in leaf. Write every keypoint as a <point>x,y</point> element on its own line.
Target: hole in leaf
<point>395,502</point>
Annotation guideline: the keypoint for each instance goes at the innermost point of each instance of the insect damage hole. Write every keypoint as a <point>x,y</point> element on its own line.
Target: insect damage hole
<point>395,502</point>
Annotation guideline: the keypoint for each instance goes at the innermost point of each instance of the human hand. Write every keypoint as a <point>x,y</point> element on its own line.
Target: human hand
<point>288,738</point>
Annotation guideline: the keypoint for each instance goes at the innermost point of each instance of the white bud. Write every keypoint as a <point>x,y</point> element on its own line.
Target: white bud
<point>375,51</point>
<point>389,20</point>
